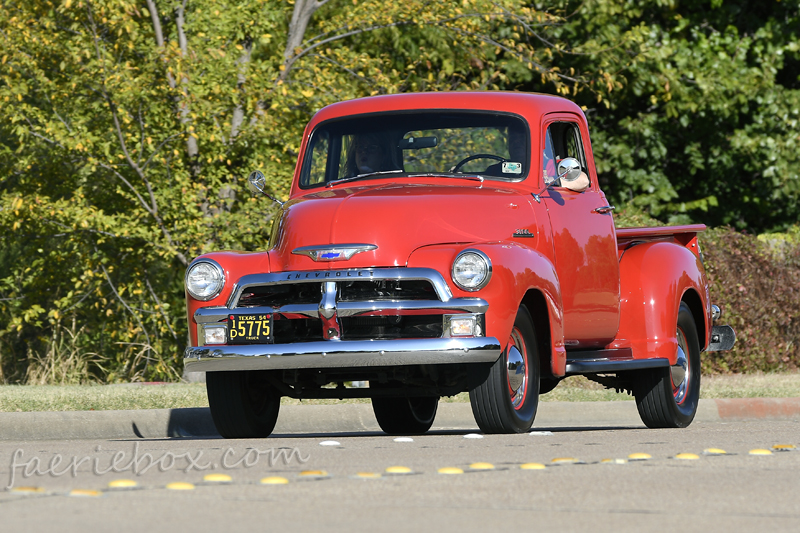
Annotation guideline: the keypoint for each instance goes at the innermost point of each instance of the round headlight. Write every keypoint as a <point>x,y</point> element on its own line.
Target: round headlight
<point>472,270</point>
<point>204,279</point>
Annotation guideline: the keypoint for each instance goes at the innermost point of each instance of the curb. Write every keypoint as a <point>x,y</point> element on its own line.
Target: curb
<point>305,420</point>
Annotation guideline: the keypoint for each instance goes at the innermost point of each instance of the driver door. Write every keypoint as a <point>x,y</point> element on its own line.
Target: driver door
<point>584,241</point>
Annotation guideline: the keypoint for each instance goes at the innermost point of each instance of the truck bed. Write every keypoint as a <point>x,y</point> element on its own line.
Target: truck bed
<point>683,235</point>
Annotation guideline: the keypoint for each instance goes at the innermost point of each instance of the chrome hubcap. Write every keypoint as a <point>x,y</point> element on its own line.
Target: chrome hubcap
<point>516,370</point>
<point>679,372</point>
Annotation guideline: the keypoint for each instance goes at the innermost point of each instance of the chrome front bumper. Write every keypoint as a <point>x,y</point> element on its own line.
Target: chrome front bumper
<point>342,354</point>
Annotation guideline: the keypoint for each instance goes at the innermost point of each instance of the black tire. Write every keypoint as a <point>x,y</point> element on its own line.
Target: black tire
<point>405,416</point>
<point>243,403</point>
<point>503,405</point>
<point>547,384</point>
<point>662,402</point>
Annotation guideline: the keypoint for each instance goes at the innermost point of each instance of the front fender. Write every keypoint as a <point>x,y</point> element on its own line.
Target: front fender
<point>234,265</point>
<point>654,278</point>
<point>516,270</point>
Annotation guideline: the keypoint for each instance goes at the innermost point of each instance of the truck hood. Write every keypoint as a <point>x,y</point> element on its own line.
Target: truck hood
<point>398,219</point>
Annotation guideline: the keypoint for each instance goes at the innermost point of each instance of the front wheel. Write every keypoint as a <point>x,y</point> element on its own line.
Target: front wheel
<point>405,416</point>
<point>506,401</point>
<point>243,403</point>
<point>668,397</point>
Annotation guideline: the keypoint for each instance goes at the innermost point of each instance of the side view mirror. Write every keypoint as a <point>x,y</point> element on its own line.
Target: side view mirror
<point>569,169</point>
<point>257,184</point>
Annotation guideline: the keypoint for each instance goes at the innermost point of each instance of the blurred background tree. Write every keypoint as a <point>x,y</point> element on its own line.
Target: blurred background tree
<point>127,129</point>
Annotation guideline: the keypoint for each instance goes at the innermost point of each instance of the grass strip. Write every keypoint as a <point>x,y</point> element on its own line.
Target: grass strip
<point>23,398</point>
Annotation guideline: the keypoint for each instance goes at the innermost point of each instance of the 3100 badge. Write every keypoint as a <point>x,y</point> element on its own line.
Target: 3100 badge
<point>250,329</point>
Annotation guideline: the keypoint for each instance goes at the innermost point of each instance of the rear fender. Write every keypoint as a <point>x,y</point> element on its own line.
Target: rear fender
<point>655,278</point>
<point>516,270</point>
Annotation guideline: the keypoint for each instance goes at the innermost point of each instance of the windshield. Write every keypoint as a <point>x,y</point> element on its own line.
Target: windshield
<point>442,143</point>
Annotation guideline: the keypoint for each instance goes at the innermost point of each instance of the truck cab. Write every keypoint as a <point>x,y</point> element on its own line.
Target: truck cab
<point>441,243</point>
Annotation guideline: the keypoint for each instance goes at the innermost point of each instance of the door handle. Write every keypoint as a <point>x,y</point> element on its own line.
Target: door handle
<point>604,209</point>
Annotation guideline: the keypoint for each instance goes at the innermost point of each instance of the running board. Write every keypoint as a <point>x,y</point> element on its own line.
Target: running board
<point>609,361</point>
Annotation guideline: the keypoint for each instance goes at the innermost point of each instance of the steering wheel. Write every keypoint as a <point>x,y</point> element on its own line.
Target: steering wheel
<point>473,158</point>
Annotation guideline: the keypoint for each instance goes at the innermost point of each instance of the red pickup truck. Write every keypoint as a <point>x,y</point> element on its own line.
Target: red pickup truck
<point>440,243</point>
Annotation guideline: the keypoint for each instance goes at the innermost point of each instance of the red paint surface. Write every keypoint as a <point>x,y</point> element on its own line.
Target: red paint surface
<point>603,288</point>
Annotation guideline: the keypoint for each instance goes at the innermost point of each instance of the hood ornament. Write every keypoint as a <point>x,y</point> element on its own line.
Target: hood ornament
<point>333,252</point>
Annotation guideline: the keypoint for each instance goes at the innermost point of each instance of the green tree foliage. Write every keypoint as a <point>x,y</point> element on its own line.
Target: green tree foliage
<point>702,124</point>
<point>127,128</point>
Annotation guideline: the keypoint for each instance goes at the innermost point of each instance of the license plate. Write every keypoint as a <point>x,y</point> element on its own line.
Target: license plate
<point>250,329</point>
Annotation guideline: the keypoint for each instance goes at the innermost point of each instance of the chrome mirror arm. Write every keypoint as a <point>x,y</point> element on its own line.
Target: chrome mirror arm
<point>257,184</point>
<point>568,168</point>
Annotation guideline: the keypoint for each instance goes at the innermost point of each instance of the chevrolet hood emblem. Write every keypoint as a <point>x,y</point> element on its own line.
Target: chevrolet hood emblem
<point>333,252</point>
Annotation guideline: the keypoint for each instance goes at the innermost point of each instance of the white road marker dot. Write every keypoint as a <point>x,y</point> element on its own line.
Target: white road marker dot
<point>330,443</point>
<point>541,433</point>
<point>473,436</point>
<point>404,439</point>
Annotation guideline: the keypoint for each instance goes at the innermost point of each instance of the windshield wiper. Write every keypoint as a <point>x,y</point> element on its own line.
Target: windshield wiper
<point>476,177</point>
<point>363,176</point>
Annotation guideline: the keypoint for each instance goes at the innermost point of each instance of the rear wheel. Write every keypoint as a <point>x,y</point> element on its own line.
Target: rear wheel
<point>243,403</point>
<point>405,416</point>
<point>668,397</point>
<point>506,401</point>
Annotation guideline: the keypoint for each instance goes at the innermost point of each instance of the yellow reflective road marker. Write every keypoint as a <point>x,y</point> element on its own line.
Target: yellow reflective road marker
<point>714,451</point>
<point>367,475</point>
<point>28,490</point>
<point>313,473</point>
<point>85,493</point>
<point>398,470</point>
<point>217,478</point>
<point>122,484</point>
<point>640,456</point>
<point>760,451</point>
<point>564,460</point>
<point>687,456</point>
<point>482,466</point>
<point>180,485</point>
<point>784,447</point>
<point>274,480</point>
<point>532,466</point>
<point>450,470</point>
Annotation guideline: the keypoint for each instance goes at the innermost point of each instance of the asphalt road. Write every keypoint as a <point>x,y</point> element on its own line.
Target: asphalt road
<point>344,485</point>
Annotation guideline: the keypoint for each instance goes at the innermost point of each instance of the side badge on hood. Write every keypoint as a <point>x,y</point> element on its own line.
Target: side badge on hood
<point>333,252</point>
